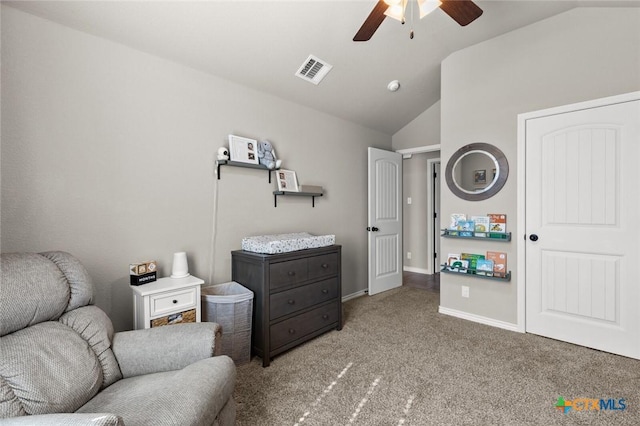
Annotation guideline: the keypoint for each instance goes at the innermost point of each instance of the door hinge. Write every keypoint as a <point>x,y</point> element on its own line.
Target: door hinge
<point>435,215</point>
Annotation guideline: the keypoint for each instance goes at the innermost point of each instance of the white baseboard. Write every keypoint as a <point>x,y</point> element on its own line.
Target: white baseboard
<point>354,295</point>
<point>479,319</point>
<point>416,270</point>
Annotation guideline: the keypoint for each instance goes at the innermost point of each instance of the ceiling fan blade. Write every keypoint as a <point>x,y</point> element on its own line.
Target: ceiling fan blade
<point>372,22</point>
<point>463,12</point>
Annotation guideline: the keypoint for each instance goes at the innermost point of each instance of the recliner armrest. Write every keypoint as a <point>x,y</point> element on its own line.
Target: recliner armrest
<point>167,348</point>
<point>67,419</point>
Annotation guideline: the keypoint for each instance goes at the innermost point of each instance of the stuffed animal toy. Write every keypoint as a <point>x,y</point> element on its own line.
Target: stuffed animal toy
<point>267,155</point>
<point>223,153</point>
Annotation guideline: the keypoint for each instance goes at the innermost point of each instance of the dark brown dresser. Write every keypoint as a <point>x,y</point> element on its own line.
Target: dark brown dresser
<point>297,296</point>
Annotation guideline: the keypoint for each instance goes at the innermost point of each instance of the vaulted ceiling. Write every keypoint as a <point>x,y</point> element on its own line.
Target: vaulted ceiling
<point>261,44</point>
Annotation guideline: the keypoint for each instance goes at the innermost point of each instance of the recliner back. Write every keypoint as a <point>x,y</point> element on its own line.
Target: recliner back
<point>55,350</point>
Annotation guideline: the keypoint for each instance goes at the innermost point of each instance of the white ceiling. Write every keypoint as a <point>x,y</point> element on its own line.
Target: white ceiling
<point>261,44</point>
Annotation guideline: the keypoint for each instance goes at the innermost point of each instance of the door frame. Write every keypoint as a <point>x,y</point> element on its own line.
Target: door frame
<point>521,177</point>
<point>431,221</point>
<point>407,153</point>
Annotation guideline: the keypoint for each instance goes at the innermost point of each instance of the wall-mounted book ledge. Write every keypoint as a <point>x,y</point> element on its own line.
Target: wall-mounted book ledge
<point>487,236</point>
<point>239,164</point>
<point>468,272</point>
<point>313,196</point>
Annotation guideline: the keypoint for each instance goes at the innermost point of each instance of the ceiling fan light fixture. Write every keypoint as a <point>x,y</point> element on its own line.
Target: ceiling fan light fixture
<point>428,6</point>
<point>396,11</point>
<point>463,12</point>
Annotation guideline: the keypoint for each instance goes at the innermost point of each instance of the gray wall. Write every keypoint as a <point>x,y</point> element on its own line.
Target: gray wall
<point>108,153</point>
<point>424,130</point>
<point>582,54</point>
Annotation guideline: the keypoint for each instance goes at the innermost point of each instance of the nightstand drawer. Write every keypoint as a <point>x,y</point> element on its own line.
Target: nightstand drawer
<point>302,325</point>
<point>284,274</point>
<point>323,266</point>
<point>177,318</point>
<point>287,302</point>
<point>175,301</point>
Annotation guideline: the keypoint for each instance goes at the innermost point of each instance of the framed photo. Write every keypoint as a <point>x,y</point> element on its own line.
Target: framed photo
<point>479,177</point>
<point>287,180</point>
<point>243,150</point>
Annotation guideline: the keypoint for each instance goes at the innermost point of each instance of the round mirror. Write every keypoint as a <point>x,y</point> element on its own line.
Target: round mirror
<point>477,171</point>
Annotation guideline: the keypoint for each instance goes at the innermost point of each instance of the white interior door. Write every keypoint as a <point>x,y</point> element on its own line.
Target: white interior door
<point>385,220</point>
<point>583,227</point>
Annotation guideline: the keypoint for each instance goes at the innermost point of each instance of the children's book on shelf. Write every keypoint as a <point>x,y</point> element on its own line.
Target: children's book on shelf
<point>497,223</point>
<point>472,259</point>
<point>465,228</point>
<point>481,225</point>
<point>499,263</point>
<point>484,267</point>
<point>454,263</point>
<point>455,217</point>
<point>465,225</point>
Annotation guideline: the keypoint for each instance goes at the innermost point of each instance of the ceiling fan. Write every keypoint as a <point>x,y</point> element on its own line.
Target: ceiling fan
<point>463,12</point>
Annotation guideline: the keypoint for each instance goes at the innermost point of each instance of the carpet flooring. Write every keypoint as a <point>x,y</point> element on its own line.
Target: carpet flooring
<point>398,362</point>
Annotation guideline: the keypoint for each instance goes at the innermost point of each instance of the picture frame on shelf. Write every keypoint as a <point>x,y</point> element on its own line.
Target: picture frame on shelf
<point>243,150</point>
<point>287,181</point>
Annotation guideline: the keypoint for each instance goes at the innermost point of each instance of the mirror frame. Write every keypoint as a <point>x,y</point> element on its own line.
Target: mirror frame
<point>494,188</point>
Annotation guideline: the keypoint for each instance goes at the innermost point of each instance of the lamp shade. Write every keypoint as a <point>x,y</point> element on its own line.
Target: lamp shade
<point>396,9</point>
<point>428,6</point>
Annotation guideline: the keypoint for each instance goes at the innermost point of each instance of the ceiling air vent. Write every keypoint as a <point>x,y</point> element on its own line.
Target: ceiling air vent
<point>313,70</point>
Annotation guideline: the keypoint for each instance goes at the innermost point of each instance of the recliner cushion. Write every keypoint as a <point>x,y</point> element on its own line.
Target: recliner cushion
<point>97,329</point>
<point>78,278</point>
<point>49,368</point>
<point>34,290</point>
<point>188,397</point>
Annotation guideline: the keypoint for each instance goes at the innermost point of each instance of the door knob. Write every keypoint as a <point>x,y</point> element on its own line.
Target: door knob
<point>533,237</point>
<point>374,229</point>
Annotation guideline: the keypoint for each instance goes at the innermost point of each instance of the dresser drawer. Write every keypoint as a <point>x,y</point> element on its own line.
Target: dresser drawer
<point>290,301</point>
<point>175,301</point>
<point>301,325</point>
<point>284,274</point>
<point>323,266</point>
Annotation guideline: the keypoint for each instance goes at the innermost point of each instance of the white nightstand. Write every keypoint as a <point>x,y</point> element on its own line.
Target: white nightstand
<point>166,301</point>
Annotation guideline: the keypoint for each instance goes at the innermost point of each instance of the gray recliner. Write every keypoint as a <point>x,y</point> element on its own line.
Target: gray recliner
<point>62,364</point>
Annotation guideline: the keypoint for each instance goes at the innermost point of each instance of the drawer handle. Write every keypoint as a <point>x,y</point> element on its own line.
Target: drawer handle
<point>325,265</point>
<point>325,291</point>
<point>175,301</point>
<point>292,331</point>
<point>292,273</point>
<point>291,302</point>
<point>325,317</point>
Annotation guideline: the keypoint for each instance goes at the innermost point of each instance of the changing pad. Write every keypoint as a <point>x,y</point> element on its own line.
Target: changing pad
<point>283,243</point>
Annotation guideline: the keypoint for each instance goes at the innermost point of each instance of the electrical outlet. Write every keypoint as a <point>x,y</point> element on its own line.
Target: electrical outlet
<point>408,255</point>
<point>408,200</point>
<point>465,291</point>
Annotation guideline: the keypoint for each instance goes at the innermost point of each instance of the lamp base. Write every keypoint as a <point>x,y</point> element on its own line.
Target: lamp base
<point>180,276</point>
